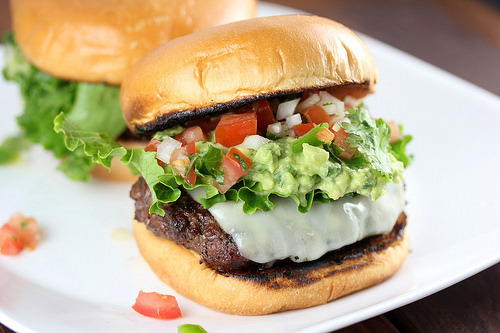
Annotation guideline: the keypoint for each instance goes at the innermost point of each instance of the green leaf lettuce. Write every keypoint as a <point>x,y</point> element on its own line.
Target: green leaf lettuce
<point>93,107</point>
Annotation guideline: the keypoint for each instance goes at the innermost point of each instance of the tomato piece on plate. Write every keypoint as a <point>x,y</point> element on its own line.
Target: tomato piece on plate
<point>325,135</point>
<point>234,128</point>
<point>157,306</point>
<point>316,114</point>
<point>190,134</point>
<point>26,228</point>
<point>341,140</point>
<point>10,241</point>
<point>302,129</point>
<point>153,145</point>
<point>235,165</point>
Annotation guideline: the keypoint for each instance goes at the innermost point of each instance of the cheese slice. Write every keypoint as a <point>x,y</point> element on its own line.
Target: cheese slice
<point>284,232</point>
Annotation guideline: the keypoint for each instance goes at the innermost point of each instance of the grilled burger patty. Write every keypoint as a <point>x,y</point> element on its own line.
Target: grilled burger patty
<point>187,223</point>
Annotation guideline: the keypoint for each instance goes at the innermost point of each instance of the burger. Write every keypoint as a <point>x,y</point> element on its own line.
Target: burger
<point>69,57</point>
<point>266,185</point>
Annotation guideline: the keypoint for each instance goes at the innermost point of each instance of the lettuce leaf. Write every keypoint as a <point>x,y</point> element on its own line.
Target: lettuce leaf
<point>97,147</point>
<point>93,107</point>
<point>165,183</point>
<point>11,148</point>
<point>398,149</point>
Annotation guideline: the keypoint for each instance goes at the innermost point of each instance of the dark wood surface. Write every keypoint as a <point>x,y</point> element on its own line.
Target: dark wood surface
<point>462,37</point>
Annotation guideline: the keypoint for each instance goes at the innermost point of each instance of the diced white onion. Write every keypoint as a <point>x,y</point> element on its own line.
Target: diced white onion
<point>276,129</point>
<point>253,142</point>
<point>327,97</point>
<point>166,148</point>
<point>351,101</point>
<point>286,109</point>
<point>331,105</point>
<point>293,120</point>
<point>308,102</point>
<point>336,127</point>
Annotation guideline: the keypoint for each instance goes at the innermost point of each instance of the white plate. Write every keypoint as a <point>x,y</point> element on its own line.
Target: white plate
<point>81,279</point>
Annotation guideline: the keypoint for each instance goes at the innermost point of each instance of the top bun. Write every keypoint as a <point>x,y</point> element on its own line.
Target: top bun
<point>227,66</point>
<point>98,40</point>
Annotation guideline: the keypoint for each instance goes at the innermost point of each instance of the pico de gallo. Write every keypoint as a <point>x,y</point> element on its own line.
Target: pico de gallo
<point>18,233</point>
<point>158,306</point>
<point>310,147</point>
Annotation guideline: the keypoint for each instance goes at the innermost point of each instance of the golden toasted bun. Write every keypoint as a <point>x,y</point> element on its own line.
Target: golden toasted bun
<point>98,40</point>
<point>281,289</point>
<point>239,62</point>
<point>118,172</point>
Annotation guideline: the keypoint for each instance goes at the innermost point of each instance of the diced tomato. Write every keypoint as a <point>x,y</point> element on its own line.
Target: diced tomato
<point>191,148</point>
<point>204,123</point>
<point>316,114</point>
<point>190,134</point>
<point>302,129</point>
<point>235,165</point>
<point>240,158</point>
<point>341,140</point>
<point>179,160</point>
<point>214,122</point>
<point>234,128</point>
<point>157,306</point>
<point>395,132</point>
<point>10,241</point>
<point>325,135</point>
<point>191,176</point>
<point>265,115</point>
<point>26,228</point>
<point>153,145</point>
<point>308,94</point>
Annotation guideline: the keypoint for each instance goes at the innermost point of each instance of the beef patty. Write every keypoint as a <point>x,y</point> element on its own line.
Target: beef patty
<point>187,223</point>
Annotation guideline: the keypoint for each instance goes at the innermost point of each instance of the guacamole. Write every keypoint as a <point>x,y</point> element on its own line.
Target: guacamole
<point>278,170</point>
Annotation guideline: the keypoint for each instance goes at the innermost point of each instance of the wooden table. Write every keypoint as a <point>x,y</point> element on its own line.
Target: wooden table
<point>463,37</point>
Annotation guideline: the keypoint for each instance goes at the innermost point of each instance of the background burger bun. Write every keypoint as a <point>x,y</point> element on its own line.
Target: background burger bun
<point>180,268</point>
<point>233,64</point>
<point>98,40</point>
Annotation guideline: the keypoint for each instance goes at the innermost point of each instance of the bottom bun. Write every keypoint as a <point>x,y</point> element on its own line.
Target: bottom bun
<point>285,286</point>
<point>118,171</point>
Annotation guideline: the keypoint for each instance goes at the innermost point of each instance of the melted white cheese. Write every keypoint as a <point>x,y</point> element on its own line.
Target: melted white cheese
<point>286,233</point>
